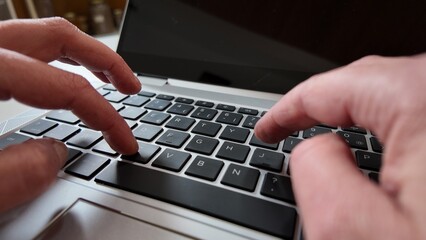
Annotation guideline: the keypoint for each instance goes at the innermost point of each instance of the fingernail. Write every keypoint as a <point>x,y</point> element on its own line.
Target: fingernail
<point>61,151</point>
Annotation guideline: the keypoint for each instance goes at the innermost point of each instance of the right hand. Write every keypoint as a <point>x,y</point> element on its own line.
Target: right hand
<point>336,201</point>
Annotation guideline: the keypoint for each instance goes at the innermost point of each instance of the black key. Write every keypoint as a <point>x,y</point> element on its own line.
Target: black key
<point>248,211</point>
<point>171,160</point>
<point>157,118</point>
<point>132,113</point>
<point>295,134</point>
<point>327,126</point>
<point>250,122</point>
<point>104,148</point>
<point>11,139</point>
<point>110,87</point>
<point>87,166</point>
<point>356,129</point>
<point>267,160</point>
<point>173,138</point>
<point>368,160</point>
<point>136,101</point>
<point>85,139</point>
<point>278,187</point>
<point>229,118</point>
<point>63,116</point>
<point>146,94</point>
<point>181,109</point>
<point>205,168</point>
<point>207,128</point>
<point>225,107</point>
<point>204,104</point>
<point>180,123</point>
<point>72,154</point>
<point>131,124</point>
<point>235,134</point>
<point>254,141</point>
<point>158,104</point>
<point>234,152</point>
<point>374,177</point>
<point>200,144</point>
<point>165,97</point>
<point>147,132</point>
<point>62,132</point>
<point>103,92</point>
<point>204,113</point>
<point>263,113</point>
<point>248,111</point>
<point>39,127</point>
<point>354,140</point>
<point>184,100</point>
<point>116,97</point>
<point>312,132</point>
<point>376,145</point>
<point>290,143</point>
<point>241,177</point>
<point>145,153</point>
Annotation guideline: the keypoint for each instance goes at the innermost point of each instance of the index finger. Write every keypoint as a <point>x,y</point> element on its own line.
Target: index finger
<point>53,38</point>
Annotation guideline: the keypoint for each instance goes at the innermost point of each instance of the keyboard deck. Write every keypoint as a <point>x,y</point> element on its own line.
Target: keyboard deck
<point>196,154</point>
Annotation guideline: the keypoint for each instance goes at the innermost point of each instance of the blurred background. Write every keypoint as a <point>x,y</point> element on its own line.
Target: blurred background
<point>95,17</point>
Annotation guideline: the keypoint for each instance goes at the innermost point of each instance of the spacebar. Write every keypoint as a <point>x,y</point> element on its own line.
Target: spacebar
<point>261,215</point>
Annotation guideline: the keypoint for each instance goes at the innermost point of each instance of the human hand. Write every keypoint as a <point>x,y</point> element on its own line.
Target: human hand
<point>335,200</point>
<point>25,48</point>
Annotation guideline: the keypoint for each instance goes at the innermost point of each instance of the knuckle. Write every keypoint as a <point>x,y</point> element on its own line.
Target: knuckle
<point>59,22</point>
<point>370,59</point>
<point>61,27</point>
<point>77,82</point>
<point>80,87</point>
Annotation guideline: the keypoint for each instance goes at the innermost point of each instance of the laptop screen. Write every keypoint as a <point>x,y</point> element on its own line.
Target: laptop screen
<point>268,45</point>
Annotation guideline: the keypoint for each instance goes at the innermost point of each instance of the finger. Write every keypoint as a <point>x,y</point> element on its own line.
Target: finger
<point>332,194</point>
<point>53,38</point>
<point>28,169</point>
<point>37,84</point>
<point>101,76</point>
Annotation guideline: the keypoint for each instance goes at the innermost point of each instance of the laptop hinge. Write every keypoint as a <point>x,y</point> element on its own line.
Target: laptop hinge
<point>152,80</point>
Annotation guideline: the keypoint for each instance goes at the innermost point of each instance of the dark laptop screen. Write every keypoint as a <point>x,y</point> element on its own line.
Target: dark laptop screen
<point>265,45</point>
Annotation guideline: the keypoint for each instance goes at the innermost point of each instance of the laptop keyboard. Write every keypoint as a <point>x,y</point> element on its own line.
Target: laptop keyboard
<point>197,154</point>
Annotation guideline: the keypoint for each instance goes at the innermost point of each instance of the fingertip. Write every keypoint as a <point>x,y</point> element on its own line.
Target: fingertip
<point>269,131</point>
<point>59,149</point>
<point>137,86</point>
<point>133,148</point>
<point>132,86</point>
<point>127,145</point>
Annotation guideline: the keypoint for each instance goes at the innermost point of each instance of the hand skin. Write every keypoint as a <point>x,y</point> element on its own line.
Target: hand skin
<point>336,201</point>
<point>26,46</point>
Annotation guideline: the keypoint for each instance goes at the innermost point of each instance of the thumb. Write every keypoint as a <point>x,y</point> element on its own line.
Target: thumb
<point>27,169</point>
<point>335,200</point>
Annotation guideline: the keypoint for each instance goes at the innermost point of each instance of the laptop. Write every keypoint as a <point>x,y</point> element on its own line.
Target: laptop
<point>210,70</point>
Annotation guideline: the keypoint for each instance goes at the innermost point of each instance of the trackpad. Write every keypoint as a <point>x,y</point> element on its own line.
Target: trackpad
<point>86,220</point>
